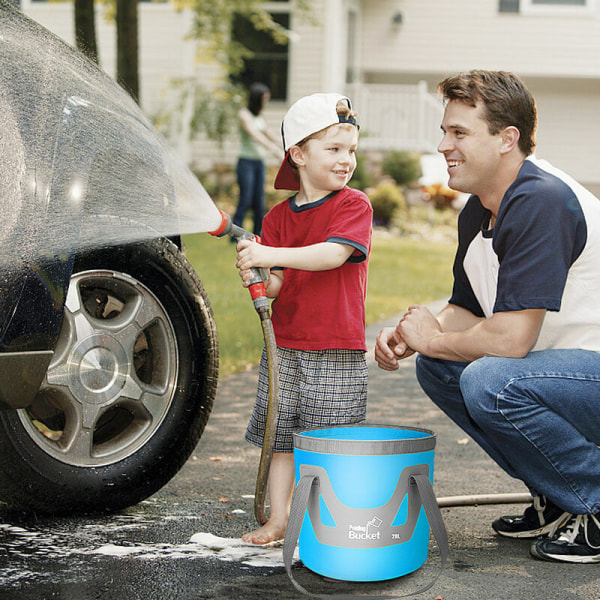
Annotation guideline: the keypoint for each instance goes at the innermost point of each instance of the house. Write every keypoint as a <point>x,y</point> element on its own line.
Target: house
<point>388,56</point>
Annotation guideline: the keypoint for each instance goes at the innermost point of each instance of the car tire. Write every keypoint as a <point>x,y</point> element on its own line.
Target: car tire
<point>128,392</point>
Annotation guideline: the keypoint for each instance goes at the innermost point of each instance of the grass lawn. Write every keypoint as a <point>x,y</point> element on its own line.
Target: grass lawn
<point>401,272</point>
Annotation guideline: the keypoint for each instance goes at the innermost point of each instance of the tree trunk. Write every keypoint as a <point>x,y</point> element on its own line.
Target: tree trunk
<point>127,46</point>
<point>85,28</point>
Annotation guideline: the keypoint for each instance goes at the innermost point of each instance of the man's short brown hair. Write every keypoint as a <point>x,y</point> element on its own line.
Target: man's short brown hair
<point>506,101</point>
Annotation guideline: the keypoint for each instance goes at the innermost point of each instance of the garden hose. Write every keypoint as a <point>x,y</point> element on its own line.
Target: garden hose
<point>477,499</point>
<point>258,293</point>
<point>272,413</point>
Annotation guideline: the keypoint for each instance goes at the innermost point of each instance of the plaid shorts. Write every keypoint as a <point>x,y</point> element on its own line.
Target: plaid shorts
<point>316,389</point>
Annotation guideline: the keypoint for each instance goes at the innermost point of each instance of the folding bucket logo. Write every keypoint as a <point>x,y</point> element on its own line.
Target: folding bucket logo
<point>363,527</point>
<point>364,502</point>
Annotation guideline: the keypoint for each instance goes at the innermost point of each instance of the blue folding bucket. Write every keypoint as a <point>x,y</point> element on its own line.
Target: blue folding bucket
<point>361,517</point>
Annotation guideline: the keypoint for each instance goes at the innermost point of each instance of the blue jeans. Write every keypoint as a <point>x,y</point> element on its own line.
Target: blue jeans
<point>538,417</point>
<point>251,181</point>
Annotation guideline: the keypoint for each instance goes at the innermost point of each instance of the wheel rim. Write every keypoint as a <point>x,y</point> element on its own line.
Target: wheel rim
<point>112,379</point>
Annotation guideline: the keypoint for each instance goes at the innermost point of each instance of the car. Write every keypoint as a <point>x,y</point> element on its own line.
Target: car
<point>108,343</point>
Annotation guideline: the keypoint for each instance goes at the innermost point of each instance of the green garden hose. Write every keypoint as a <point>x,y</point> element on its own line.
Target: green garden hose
<point>272,413</point>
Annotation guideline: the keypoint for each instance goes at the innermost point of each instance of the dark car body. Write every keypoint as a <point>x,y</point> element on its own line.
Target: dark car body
<point>84,178</point>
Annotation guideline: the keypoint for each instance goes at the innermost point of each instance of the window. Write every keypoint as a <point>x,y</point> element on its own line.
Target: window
<point>558,2</point>
<point>269,65</point>
<point>546,6</point>
<point>556,6</point>
<point>509,6</point>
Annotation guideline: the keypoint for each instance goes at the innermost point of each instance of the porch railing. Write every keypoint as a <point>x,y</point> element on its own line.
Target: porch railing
<point>397,117</point>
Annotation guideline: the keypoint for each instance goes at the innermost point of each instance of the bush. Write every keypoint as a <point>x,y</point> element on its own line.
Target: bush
<point>362,178</point>
<point>386,199</point>
<point>403,167</point>
<point>273,196</point>
<point>440,195</point>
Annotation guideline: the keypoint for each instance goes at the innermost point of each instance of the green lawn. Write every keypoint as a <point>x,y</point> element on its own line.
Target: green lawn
<point>401,272</point>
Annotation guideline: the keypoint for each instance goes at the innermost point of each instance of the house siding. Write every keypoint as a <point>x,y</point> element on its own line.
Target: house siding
<point>163,51</point>
<point>558,56</point>
<point>568,130</point>
<point>439,36</point>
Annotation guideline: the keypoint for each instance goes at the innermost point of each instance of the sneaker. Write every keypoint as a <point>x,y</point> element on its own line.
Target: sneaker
<point>541,518</point>
<point>576,542</point>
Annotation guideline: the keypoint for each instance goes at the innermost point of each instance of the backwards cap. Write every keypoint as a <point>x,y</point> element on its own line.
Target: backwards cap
<point>305,117</point>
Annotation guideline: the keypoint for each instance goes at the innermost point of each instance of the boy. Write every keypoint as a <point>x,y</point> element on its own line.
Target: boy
<point>316,245</point>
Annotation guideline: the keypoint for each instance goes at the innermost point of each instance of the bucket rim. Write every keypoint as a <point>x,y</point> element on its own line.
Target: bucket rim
<point>304,441</point>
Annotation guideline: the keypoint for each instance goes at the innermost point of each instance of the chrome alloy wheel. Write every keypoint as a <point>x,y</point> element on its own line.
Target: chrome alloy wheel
<point>112,378</point>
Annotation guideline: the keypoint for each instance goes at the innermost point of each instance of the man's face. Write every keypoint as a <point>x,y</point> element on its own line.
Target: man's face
<point>472,153</point>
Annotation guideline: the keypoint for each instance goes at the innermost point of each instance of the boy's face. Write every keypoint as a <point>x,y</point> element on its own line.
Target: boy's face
<point>327,162</point>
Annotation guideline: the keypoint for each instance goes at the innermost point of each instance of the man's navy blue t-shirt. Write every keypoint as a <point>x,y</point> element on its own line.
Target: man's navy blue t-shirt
<point>543,252</point>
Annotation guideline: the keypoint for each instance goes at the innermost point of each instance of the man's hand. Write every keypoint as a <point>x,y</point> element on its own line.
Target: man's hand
<point>456,334</point>
<point>390,348</point>
<point>417,327</point>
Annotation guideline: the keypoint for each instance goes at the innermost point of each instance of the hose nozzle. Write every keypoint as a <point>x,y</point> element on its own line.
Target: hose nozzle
<point>256,284</point>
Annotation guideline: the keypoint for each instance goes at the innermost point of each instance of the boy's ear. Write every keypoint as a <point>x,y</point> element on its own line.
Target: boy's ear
<point>297,156</point>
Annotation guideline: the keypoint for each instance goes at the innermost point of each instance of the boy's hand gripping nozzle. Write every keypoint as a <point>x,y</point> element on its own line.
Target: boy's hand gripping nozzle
<point>256,285</point>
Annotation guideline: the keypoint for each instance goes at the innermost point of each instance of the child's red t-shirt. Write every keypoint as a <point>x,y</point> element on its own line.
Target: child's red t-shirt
<point>321,310</point>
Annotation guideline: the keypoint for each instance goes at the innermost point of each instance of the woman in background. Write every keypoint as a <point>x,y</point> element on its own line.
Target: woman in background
<point>256,141</point>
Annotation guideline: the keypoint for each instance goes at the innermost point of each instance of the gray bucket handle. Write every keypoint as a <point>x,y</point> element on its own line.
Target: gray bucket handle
<point>298,510</point>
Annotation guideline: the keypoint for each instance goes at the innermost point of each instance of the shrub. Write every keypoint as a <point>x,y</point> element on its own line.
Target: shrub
<point>386,199</point>
<point>440,195</point>
<point>273,196</point>
<point>403,167</point>
<point>362,178</point>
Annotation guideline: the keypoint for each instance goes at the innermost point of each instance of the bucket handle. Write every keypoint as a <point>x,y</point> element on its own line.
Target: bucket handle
<point>298,510</point>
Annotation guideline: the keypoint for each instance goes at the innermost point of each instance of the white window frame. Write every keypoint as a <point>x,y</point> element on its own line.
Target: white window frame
<point>529,8</point>
<point>283,7</point>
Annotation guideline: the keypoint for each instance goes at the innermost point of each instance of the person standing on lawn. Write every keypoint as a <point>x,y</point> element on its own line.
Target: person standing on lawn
<point>316,245</point>
<point>514,357</point>
<point>255,141</point>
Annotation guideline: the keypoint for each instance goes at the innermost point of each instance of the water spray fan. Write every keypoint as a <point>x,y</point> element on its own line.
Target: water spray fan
<point>258,293</point>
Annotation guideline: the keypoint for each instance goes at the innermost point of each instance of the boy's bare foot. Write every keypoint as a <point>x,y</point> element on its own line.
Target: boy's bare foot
<point>269,532</point>
<point>281,487</point>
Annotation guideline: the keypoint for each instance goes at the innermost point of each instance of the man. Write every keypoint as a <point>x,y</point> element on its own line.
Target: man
<point>514,357</point>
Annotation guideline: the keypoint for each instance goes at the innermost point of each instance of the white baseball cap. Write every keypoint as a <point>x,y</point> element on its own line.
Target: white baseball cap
<point>305,117</point>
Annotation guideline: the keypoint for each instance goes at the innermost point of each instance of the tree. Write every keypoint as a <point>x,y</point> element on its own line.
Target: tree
<point>125,15</point>
<point>212,25</point>
<point>127,47</point>
<point>85,28</point>
<point>214,108</point>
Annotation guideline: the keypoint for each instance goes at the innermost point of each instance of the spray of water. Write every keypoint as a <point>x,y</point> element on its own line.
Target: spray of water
<point>75,148</point>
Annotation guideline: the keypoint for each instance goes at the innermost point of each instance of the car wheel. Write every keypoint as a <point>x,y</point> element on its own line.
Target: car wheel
<point>128,392</point>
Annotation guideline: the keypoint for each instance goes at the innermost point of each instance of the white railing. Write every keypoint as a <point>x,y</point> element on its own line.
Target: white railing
<point>397,117</point>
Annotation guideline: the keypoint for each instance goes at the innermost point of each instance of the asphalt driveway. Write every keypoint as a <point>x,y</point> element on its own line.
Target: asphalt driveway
<point>183,543</point>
